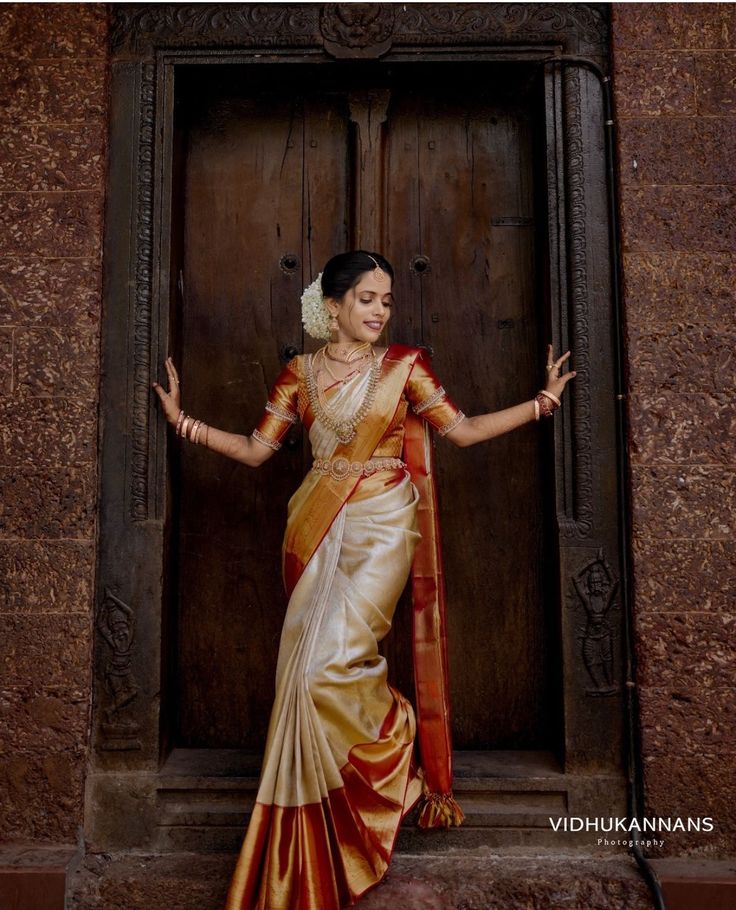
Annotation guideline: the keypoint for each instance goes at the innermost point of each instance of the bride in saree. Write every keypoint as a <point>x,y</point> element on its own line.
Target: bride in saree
<point>340,769</point>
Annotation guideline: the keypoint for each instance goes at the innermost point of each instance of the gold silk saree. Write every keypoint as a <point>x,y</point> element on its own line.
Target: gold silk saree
<point>339,770</point>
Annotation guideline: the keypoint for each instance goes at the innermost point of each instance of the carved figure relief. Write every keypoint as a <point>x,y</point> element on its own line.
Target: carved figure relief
<point>357,29</point>
<point>116,622</point>
<point>594,590</point>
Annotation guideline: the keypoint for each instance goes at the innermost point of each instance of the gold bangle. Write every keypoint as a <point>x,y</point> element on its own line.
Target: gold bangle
<point>536,409</point>
<point>551,396</point>
<point>201,426</point>
<point>545,408</point>
<point>193,430</point>
<point>185,425</point>
<point>179,421</point>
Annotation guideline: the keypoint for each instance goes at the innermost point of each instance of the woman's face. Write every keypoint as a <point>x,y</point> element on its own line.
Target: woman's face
<point>364,310</point>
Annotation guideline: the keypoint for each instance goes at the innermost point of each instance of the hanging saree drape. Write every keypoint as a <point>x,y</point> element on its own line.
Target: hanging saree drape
<point>339,770</point>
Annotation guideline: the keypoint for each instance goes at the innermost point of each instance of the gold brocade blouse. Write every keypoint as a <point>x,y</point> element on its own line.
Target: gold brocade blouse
<point>288,402</point>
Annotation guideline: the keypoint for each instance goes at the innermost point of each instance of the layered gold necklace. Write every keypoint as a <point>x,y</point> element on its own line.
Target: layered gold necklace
<point>345,427</point>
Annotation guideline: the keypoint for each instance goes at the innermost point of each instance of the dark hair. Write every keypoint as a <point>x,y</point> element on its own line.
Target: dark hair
<point>343,271</point>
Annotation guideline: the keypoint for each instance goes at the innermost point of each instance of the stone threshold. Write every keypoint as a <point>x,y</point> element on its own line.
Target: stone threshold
<point>479,879</point>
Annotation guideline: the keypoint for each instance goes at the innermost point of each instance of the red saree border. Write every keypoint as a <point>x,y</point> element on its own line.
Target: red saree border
<point>325,855</point>
<point>431,670</point>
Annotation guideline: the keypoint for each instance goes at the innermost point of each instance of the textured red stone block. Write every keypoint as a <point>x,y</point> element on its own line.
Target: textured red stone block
<point>43,796</point>
<point>690,722</point>
<point>686,651</point>
<point>61,224</point>
<point>57,502</point>
<point>684,575</point>
<point>693,501</point>
<point>45,650</point>
<point>695,786</point>
<point>50,431</point>
<point>663,26</point>
<point>50,292</point>
<point>55,362</point>
<point>6,361</point>
<point>653,83</point>
<point>688,150</point>
<point>46,576</point>
<point>34,720</point>
<point>669,288</point>
<point>53,29</point>
<point>684,358</point>
<point>62,91</point>
<point>715,74</point>
<point>682,427</point>
<point>37,157</point>
<point>690,218</point>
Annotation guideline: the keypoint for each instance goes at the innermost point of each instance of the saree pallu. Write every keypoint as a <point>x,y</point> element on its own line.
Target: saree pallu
<point>339,772</point>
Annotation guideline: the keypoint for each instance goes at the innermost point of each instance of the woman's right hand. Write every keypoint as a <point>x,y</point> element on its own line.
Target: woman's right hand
<point>171,400</point>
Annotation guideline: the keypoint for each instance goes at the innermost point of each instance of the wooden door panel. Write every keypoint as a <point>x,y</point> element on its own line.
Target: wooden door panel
<point>460,194</point>
<point>269,173</point>
<point>255,166</point>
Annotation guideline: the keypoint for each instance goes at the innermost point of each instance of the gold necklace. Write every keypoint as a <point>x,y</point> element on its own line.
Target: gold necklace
<point>343,428</point>
<point>350,352</point>
<point>337,378</point>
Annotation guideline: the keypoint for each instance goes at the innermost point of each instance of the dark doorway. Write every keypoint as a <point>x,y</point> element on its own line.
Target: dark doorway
<point>277,167</point>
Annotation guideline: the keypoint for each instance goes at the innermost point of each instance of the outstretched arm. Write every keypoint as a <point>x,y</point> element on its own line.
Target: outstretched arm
<point>481,427</point>
<point>245,449</point>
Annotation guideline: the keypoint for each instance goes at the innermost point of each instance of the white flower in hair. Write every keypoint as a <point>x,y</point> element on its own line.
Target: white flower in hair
<point>315,315</point>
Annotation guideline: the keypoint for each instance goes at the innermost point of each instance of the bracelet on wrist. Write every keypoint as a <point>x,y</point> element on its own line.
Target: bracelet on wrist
<point>547,406</point>
<point>191,429</point>
<point>550,396</point>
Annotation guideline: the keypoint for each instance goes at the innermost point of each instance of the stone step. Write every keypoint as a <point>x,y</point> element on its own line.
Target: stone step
<point>205,797</point>
<point>479,879</point>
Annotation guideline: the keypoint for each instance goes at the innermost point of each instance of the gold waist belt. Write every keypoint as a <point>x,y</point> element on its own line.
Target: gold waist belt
<point>340,467</point>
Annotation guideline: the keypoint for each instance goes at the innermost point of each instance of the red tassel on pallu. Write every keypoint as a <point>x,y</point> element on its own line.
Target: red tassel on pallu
<point>438,806</point>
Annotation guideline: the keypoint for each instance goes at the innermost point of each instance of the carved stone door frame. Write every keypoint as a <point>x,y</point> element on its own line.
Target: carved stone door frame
<point>129,778</point>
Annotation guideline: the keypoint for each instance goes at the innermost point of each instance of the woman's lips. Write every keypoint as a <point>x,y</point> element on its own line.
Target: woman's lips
<point>374,325</point>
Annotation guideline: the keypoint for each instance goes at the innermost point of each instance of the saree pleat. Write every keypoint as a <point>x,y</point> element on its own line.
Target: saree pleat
<point>338,772</point>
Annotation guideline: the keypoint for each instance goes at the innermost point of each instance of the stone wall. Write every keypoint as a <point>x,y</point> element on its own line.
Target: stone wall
<point>674,77</point>
<point>53,137</point>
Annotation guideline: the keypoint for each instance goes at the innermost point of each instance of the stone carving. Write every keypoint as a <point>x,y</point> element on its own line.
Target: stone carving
<point>140,28</point>
<point>580,523</point>
<point>142,303</point>
<point>357,29</point>
<point>143,27</point>
<point>505,23</point>
<point>595,588</point>
<point>116,622</point>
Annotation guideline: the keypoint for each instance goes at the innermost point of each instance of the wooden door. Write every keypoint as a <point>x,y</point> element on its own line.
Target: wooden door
<point>280,170</point>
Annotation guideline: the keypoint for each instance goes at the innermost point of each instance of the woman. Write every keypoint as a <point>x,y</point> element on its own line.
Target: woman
<point>339,770</point>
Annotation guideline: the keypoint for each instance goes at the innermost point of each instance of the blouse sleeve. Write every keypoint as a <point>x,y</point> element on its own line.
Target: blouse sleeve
<point>281,409</point>
<point>429,399</point>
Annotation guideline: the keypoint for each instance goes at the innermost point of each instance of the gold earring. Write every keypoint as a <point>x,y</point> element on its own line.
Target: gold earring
<point>333,323</point>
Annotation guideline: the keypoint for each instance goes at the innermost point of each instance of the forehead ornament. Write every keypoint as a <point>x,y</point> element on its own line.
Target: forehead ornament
<point>378,272</point>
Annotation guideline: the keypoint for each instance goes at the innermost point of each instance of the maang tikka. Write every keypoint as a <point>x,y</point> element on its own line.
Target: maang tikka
<point>378,272</point>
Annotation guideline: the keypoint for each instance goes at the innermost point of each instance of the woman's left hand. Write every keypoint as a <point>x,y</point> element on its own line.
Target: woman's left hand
<point>556,382</point>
